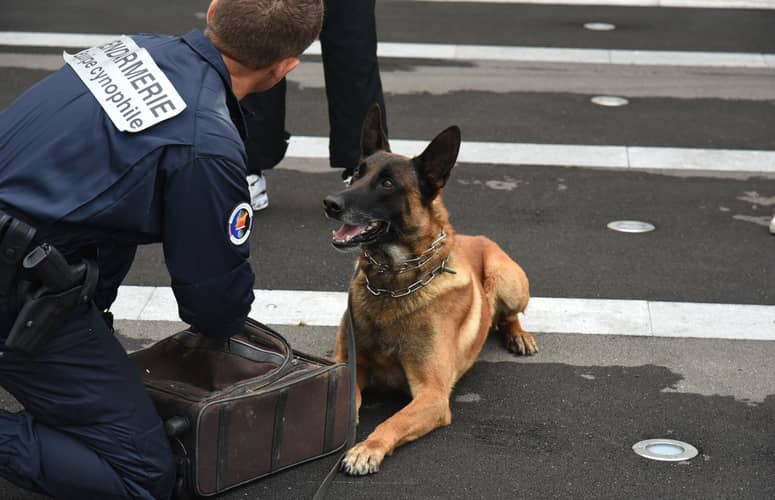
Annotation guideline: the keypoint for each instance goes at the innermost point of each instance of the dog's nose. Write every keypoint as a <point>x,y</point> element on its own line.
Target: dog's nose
<point>333,204</point>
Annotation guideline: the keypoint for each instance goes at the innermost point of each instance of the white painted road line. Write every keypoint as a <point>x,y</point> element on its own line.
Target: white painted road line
<point>705,4</point>
<point>55,40</point>
<point>47,62</point>
<point>567,55</point>
<point>463,52</point>
<point>555,315</point>
<point>618,157</point>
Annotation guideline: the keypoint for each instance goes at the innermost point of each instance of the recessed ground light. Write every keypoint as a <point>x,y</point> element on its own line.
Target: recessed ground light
<point>600,26</point>
<point>631,226</point>
<point>609,100</point>
<point>666,450</point>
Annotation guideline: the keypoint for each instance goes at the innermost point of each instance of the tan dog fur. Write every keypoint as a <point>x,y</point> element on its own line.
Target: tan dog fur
<point>424,342</point>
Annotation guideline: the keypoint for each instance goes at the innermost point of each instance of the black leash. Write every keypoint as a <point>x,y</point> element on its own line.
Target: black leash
<point>322,490</point>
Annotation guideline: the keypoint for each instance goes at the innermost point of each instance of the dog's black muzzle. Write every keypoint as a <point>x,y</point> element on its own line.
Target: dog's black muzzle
<point>334,206</point>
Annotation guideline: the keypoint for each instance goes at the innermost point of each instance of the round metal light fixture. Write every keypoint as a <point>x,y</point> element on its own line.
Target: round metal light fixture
<point>631,226</point>
<point>665,450</point>
<point>600,26</point>
<point>609,101</point>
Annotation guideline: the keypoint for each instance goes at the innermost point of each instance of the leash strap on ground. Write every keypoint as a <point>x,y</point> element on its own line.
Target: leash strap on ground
<point>322,490</point>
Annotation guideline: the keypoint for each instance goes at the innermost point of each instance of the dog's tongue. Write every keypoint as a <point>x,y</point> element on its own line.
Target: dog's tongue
<point>348,230</point>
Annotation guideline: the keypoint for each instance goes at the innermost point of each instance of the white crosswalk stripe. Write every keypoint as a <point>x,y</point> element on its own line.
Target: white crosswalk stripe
<point>618,157</point>
<point>544,314</point>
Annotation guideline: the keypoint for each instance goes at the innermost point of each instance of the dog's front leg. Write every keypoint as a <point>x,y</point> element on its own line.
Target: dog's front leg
<point>428,410</point>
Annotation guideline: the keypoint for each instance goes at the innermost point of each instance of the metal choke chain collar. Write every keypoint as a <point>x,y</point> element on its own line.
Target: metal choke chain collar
<point>411,264</point>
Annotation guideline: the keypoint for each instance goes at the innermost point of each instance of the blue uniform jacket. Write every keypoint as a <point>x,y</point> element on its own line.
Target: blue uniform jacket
<point>96,192</point>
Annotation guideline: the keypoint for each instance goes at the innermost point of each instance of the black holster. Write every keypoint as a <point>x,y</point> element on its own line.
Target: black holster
<point>48,286</point>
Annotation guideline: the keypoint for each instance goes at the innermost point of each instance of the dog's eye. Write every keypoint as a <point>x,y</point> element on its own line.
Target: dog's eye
<point>388,183</point>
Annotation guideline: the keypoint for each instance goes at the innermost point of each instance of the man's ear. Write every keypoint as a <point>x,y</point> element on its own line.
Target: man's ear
<point>211,10</point>
<point>373,136</point>
<point>266,78</point>
<point>435,163</point>
<point>284,66</point>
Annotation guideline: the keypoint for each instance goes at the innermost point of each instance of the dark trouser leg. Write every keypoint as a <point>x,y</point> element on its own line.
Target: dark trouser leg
<point>38,458</point>
<point>89,429</point>
<point>267,139</point>
<point>353,85</point>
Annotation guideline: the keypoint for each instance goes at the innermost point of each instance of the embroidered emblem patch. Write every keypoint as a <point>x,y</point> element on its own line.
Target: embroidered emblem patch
<point>240,223</point>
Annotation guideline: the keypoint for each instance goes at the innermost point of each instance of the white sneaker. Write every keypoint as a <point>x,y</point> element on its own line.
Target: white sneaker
<point>259,200</point>
<point>772,225</point>
<point>347,176</point>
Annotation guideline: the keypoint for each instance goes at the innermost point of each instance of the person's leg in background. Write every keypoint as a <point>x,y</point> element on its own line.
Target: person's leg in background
<point>267,139</point>
<point>88,429</point>
<point>353,85</point>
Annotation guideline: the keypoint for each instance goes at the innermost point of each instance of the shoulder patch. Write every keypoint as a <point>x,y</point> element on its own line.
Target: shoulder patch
<point>240,223</point>
<point>132,90</point>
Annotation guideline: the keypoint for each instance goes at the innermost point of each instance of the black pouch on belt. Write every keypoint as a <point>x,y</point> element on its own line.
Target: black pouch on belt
<point>15,238</point>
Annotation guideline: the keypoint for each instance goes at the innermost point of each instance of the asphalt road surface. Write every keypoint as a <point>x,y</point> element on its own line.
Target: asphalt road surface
<point>559,424</point>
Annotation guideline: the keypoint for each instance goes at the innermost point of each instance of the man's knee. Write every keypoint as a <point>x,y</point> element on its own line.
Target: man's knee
<point>139,468</point>
<point>155,464</point>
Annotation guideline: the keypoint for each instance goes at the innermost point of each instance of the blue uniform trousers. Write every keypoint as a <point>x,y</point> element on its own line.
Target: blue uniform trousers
<point>89,429</point>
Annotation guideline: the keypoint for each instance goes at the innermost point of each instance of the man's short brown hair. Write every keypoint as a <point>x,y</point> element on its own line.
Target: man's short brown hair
<point>258,33</point>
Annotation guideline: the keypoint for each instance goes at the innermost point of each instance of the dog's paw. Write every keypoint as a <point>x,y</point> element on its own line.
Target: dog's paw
<point>521,343</point>
<point>363,458</point>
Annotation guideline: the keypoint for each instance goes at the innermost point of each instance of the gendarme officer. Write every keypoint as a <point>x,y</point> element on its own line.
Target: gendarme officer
<point>139,140</point>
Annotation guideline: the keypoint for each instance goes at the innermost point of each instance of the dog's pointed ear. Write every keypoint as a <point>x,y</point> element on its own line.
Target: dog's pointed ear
<point>435,163</point>
<point>373,136</point>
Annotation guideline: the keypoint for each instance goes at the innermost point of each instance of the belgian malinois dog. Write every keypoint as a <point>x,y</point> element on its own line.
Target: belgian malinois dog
<point>423,298</point>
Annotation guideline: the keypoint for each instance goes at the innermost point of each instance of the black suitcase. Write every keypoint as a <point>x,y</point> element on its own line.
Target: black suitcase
<point>239,410</point>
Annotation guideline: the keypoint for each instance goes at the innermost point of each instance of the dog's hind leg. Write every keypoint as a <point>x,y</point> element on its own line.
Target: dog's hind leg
<point>517,340</point>
<point>507,286</point>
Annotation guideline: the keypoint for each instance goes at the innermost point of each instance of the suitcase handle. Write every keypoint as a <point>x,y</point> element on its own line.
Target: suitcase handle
<point>278,350</point>
<point>260,333</point>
